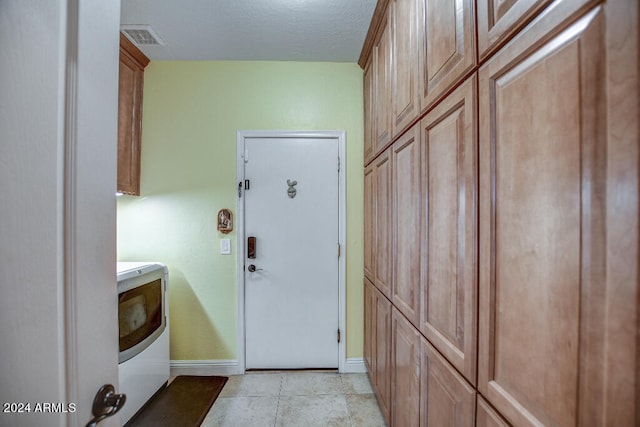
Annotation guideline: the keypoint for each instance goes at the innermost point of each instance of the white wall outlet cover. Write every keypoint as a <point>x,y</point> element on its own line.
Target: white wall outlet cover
<point>225,246</point>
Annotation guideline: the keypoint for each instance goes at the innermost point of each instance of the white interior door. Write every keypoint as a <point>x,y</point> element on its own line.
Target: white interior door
<point>58,311</point>
<point>291,208</point>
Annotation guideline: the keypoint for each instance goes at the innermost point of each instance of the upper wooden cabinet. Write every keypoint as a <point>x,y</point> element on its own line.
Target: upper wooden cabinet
<point>407,23</point>
<point>449,228</point>
<point>132,64</point>
<point>447,49</point>
<point>499,19</point>
<point>545,244</point>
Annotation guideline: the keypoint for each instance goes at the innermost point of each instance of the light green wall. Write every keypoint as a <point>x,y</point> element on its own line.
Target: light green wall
<point>191,113</point>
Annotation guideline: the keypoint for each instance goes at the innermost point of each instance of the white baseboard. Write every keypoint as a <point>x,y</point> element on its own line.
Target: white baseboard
<point>354,365</point>
<point>204,367</point>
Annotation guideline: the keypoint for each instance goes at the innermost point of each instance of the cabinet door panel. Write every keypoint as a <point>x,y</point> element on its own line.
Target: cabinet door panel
<point>406,221</point>
<point>383,353</point>
<point>406,372</point>
<point>369,223</point>
<point>369,327</point>
<point>369,112</point>
<point>449,283</point>
<point>542,267</point>
<point>446,398</point>
<point>500,19</point>
<point>448,46</point>
<point>405,69</point>
<point>486,416</point>
<point>383,105</point>
<point>383,208</point>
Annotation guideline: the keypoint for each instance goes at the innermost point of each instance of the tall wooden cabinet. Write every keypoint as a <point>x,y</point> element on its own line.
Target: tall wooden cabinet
<point>502,212</point>
<point>132,64</point>
<point>543,230</point>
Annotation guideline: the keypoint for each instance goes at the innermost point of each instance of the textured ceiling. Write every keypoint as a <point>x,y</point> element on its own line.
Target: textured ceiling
<point>281,30</point>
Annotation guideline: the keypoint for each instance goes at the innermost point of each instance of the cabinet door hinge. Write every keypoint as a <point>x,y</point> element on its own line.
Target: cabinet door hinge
<point>338,334</point>
<point>338,164</point>
<point>339,250</point>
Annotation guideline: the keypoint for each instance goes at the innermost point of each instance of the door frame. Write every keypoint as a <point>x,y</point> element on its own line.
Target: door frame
<point>340,137</point>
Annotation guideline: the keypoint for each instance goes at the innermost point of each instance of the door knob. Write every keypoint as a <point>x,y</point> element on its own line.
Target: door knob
<point>105,404</point>
<point>252,268</point>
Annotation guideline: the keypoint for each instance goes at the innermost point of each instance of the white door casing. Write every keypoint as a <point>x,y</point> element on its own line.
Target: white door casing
<point>58,142</point>
<point>290,309</point>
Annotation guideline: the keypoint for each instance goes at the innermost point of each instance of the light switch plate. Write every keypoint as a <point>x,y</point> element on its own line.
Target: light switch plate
<point>225,246</point>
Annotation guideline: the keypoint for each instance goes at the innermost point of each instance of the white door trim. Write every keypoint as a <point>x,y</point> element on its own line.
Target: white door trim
<point>340,136</point>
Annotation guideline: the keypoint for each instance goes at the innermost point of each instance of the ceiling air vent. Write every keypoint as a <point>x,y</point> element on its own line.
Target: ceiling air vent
<point>142,35</point>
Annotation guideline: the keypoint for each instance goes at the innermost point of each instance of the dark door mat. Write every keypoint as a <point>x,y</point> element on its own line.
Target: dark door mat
<point>184,403</point>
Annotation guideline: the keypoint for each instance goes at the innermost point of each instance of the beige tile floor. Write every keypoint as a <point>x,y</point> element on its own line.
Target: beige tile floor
<point>306,399</point>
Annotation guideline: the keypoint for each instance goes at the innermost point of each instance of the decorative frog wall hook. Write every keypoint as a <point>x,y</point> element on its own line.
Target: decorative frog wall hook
<point>291,192</point>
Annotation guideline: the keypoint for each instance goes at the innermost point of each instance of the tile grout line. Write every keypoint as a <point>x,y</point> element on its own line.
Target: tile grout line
<point>346,401</point>
<point>275,421</point>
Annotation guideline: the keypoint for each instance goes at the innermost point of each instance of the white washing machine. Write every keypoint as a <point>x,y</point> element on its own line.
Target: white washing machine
<point>143,324</point>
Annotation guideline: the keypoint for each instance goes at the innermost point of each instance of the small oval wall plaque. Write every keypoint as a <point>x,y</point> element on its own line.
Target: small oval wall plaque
<point>225,221</point>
